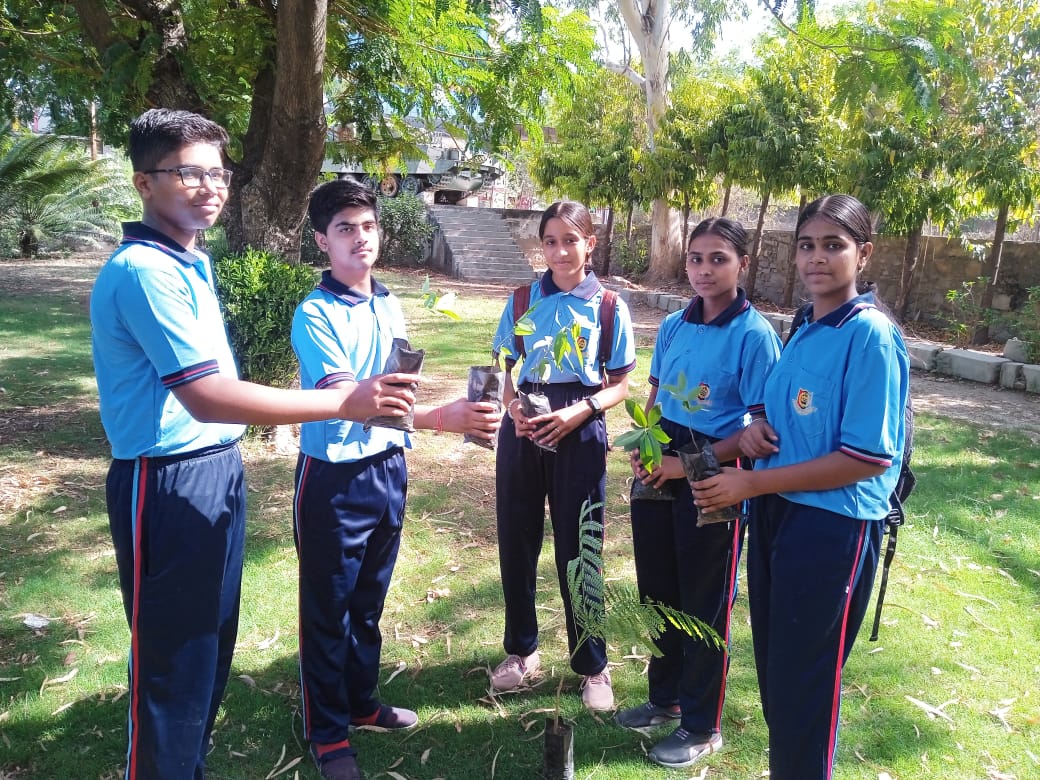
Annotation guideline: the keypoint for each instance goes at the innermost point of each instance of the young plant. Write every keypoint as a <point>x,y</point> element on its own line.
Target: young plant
<point>442,303</point>
<point>646,435</point>
<point>565,341</point>
<point>603,609</point>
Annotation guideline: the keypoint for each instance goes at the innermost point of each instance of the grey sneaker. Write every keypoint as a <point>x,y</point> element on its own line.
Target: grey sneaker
<point>512,671</point>
<point>682,748</point>
<point>646,715</point>
<point>596,692</point>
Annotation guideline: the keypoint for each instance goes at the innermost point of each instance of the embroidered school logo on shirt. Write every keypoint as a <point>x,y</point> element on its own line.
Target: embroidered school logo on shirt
<point>803,402</point>
<point>703,391</point>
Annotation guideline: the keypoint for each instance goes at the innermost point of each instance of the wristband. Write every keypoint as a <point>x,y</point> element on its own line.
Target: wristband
<point>509,408</point>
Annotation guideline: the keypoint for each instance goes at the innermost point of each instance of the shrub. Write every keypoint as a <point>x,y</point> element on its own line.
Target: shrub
<point>632,257</point>
<point>1024,323</point>
<point>259,292</point>
<point>405,230</point>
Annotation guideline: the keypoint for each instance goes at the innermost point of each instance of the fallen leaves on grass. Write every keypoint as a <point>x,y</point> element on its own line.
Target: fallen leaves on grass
<point>47,683</point>
<point>278,769</point>
<point>932,711</point>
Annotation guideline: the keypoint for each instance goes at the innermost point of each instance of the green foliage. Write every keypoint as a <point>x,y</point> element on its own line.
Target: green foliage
<point>682,392</point>
<point>965,311</point>
<point>259,292</point>
<point>1024,323</point>
<point>599,141</point>
<point>646,435</point>
<point>405,230</point>
<point>632,257</point>
<point>54,197</point>
<point>442,303</point>
<point>615,611</point>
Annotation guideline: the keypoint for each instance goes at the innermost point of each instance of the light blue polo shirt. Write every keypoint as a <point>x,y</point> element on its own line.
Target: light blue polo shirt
<point>554,309</point>
<point>841,385</point>
<point>342,335</point>
<point>726,361</point>
<point>156,324</point>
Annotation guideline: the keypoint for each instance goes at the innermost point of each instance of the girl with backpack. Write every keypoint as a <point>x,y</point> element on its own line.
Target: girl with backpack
<point>561,453</point>
<point>722,349</point>
<point>829,449</point>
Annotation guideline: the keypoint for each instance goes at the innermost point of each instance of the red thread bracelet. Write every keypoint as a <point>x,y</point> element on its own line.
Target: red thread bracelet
<point>440,420</point>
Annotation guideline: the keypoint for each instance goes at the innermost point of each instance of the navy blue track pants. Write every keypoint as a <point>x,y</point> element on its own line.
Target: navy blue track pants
<point>695,570</point>
<point>178,527</point>
<point>525,475</point>
<point>347,520</point>
<point>810,574</point>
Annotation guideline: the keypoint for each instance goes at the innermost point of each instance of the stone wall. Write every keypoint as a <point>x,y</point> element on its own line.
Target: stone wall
<point>944,265</point>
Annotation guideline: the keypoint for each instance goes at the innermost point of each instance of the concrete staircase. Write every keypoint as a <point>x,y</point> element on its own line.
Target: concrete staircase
<point>477,244</point>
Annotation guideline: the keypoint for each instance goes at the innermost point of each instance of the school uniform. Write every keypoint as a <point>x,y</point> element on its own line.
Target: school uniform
<point>175,493</point>
<point>348,511</point>
<point>695,569</point>
<point>841,385</point>
<point>526,474</point>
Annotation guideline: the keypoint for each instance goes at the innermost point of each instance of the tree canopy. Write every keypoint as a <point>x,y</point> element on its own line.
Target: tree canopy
<point>276,74</point>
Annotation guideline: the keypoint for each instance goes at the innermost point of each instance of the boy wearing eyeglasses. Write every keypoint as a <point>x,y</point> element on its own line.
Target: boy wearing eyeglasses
<point>173,409</point>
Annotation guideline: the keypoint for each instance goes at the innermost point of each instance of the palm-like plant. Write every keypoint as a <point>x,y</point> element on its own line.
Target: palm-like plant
<point>51,193</point>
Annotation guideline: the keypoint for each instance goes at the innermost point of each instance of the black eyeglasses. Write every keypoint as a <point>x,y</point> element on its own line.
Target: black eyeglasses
<point>192,175</point>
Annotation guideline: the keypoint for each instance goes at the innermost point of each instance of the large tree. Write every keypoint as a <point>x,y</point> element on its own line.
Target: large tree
<point>276,72</point>
<point>648,28</point>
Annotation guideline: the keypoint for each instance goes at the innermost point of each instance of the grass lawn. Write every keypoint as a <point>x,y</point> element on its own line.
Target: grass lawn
<point>949,690</point>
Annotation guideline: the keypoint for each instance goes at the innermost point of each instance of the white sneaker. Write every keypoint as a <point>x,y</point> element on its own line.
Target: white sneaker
<point>596,692</point>
<point>512,671</point>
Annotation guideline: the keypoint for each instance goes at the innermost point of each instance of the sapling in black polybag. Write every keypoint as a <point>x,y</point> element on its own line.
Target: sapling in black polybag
<point>700,462</point>
<point>534,404</point>
<point>402,360</point>
<point>485,384</point>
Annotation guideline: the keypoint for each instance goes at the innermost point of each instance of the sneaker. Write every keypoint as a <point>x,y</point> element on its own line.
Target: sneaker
<point>339,765</point>
<point>646,715</point>
<point>596,693</point>
<point>386,717</point>
<point>683,748</point>
<point>512,671</point>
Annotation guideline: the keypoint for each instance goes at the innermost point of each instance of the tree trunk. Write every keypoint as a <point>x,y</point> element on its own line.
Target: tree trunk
<point>909,271</point>
<point>649,24</point>
<point>628,223</point>
<point>791,272</point>
<point>725,198</point>
<point>664,243</point>
<point>992,273</point>
<point>272,202</point>
<point>683,245</point>
<point>608,244</point>
<point>756,248</point>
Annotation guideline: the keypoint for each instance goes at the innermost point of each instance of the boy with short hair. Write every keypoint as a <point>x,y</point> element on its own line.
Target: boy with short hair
<point>173,409</point>
<point>351,483</point>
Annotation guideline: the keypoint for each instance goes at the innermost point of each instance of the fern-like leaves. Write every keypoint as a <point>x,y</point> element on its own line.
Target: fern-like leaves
<point>614,609</point>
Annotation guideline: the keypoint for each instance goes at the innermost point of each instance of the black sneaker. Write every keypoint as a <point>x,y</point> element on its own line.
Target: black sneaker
<point>683,748</point>
<point>646,715</point>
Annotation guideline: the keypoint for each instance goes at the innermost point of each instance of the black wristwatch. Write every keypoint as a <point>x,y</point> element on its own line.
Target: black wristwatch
<point>594,405</point>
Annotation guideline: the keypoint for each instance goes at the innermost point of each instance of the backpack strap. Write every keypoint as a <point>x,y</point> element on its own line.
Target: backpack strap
<point>607,312</point>
<point>521,303</point>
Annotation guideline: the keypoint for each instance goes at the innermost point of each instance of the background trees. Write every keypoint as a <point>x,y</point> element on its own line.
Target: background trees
<point>272,71</point>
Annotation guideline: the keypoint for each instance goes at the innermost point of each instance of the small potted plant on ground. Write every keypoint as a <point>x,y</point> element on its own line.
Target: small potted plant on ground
<point>603,609</point>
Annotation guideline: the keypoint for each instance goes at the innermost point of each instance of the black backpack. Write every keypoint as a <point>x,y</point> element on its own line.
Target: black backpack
<point>905,485</point>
